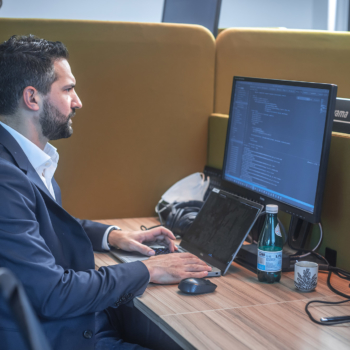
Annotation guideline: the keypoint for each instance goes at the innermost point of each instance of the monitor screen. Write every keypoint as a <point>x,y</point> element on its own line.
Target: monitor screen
<point>278,141</point>
<point>202,12</point>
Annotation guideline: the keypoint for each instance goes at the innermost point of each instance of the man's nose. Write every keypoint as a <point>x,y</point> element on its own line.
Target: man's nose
<point>76,103</point>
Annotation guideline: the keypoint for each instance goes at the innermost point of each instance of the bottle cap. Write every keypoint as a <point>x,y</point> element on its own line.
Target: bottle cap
<point>272,208</point>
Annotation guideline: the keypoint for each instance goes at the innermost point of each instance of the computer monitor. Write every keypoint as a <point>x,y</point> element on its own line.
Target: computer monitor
<point>278,141</point>
<point>202,12</point>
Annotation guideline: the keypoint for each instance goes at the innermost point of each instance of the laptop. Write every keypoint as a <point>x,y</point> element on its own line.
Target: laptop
<point>217,233</point>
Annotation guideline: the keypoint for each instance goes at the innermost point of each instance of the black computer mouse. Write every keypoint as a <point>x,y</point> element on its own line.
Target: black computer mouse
<point>196,286</point>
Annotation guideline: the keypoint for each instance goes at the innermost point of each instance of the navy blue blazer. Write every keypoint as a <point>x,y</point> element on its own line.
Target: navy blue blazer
<point>51,252</point>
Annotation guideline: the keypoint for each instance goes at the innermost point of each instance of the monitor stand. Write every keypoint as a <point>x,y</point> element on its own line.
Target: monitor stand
<point>298,232</point>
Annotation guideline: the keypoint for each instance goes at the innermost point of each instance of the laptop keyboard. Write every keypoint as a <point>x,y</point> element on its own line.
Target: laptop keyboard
<point>160,251</point>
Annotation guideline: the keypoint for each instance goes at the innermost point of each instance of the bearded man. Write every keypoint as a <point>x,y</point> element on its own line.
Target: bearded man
<point>50,251</point>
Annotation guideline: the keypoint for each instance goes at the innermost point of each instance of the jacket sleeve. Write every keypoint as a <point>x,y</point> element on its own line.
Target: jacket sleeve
<point>95,232</point>
<point>55,291</point>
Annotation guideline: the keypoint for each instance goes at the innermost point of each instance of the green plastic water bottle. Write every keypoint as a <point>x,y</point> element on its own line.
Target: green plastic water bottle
<point>270,247</point>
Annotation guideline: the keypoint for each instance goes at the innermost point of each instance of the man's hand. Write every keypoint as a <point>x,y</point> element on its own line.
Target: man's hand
<point>172,268</point>
<point>132,241</point>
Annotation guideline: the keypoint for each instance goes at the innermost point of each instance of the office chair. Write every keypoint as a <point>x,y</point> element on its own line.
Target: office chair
<point>202,12</point>
<point>13,293</point>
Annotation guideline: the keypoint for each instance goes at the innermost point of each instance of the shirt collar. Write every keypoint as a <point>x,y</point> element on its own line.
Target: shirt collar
<point>35,155</point>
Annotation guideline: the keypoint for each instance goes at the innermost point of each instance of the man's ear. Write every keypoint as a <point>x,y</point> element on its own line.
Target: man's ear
<point>31,98</point>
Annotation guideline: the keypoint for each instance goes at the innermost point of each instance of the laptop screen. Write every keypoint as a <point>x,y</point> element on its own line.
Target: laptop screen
<point>220,228</point>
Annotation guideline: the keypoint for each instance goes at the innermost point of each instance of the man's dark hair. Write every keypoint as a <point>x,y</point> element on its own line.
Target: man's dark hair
<point>26,61</point>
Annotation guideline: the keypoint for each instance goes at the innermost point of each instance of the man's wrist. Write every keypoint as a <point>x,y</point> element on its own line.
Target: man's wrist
<point>150,270</point>
<point>112,237</point>
<point>105,240</point>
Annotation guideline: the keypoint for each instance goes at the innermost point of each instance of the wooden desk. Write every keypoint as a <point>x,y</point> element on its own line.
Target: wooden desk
<point>242,313</point>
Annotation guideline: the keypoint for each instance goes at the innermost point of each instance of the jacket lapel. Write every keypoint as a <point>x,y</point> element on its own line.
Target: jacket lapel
<point>21,159</point>
<point>57,191</point>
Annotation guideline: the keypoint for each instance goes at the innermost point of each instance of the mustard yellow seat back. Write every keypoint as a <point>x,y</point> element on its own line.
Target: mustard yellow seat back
<point>147,91</point>
<point>316,56</point>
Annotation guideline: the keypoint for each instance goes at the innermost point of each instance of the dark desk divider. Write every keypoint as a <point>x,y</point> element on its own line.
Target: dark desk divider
<point>341,122</point>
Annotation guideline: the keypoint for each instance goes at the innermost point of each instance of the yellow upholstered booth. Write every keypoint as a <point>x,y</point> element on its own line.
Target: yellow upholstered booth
<point>295,55</point>
<point>317,56</point>
<point>147,91</point>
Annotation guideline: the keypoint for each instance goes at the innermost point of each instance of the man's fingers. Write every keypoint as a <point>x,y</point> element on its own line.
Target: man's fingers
<point>171,245</point>
<point>190,263</point>
<point>165,241</point>
<point>200,274</point>
<point>159,231</point>
<point>194,261</point>
<point>190,256</point>
<point>160,235</point>
<point>141,248</point>
<point>186,259</point>
<point>172,268</point>
<point>197,268</point>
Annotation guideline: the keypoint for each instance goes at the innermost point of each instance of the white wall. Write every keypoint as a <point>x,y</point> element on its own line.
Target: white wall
<point>342,15</point>
<point>104,10</point>
<point>296,14</point>
<point>300,14</point>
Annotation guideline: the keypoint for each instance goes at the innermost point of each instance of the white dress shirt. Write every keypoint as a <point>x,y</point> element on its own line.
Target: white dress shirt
<point>45,164</point>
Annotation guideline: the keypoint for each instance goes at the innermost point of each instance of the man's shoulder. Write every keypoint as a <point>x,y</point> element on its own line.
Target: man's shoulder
<point>12,177</point>
<point>6,155</point>
<point>8,165</point>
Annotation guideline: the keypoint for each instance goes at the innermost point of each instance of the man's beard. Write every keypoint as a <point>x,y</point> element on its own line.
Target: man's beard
<point>54,124</point>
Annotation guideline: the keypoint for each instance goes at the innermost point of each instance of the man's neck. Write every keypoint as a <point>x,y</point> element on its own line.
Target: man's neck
<point>27,129</point>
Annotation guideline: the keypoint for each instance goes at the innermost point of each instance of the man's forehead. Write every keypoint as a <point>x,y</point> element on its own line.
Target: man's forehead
<point>63,70</point>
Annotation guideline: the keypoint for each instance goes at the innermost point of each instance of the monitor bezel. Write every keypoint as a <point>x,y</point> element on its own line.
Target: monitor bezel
<point>263,199</point>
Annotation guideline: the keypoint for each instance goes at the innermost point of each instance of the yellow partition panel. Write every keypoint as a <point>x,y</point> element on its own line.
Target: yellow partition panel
<point>147,90</point>
<point>316,56</point>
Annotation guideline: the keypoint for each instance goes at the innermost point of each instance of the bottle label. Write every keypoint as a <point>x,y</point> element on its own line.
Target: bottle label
<point>269,261</point>
<point>278,230</point>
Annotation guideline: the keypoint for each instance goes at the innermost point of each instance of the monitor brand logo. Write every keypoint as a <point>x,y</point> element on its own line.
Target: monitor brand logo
<point>340,114</point>
<point>263,199</point>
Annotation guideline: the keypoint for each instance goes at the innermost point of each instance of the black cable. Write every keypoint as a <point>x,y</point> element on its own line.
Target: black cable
<point>340,273</point>
<point>144,228</point>
<point>308,252</point>
<point>325,323</point>
<point>312,252</point>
